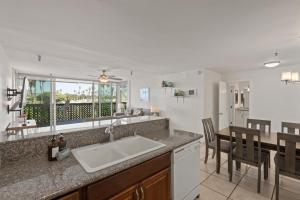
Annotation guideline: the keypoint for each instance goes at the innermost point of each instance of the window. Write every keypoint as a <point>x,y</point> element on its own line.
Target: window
<point>107,98</point>
<point>38,101</point>
<point>74,101</point>
<point>97,102</point>
<point>123,103</point>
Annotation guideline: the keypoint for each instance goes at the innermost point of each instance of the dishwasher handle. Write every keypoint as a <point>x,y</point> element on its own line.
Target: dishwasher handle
<point>187,148</point>
<point>177,151</point>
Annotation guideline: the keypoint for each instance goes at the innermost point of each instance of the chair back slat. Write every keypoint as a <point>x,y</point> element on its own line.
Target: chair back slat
<point>209,131</point>
<point>239,145</point>
<point>289,153</point>
<point>250,147</point>
<point>206,132</point>
<point>262,128</point>
<point>251,125</point>
<point>212,130</point>
<point>290,127</point>
<point>263,125</point>
<point>246,151</point>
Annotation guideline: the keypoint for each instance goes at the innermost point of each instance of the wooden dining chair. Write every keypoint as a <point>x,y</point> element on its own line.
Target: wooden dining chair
<point>290,127</point>
<point>287,159</point>
<point>264,126</point>
<point>247,150</point>
<point>210,139</point>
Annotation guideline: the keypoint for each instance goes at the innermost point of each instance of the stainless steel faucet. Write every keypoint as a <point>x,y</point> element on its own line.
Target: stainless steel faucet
<point>134,132</point>
<point>110,130</point>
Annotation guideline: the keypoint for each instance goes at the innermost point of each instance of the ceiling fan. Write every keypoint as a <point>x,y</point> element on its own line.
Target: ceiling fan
<point>104,77</point>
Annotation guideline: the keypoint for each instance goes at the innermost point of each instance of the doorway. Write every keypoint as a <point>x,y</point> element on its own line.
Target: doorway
<point>239,103</point>
<point>233,103</point>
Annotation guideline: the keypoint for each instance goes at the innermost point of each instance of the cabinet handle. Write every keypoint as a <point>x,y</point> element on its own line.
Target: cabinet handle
<point>137,194</point>
<point>142,193</point>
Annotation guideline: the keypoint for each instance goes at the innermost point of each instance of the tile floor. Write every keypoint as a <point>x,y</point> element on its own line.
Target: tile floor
<point>243,186</point>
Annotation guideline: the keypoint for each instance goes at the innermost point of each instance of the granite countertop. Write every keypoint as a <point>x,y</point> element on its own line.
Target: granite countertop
<point>40,179</point>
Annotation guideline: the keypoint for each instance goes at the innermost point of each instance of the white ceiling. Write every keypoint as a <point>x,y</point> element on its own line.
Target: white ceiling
<point>79,37</point>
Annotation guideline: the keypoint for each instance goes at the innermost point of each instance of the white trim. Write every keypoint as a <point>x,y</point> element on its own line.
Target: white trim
<point>52,105</point>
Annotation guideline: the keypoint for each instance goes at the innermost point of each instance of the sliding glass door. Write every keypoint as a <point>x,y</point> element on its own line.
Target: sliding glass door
<point>74,101</point>
<point>38,101</point>
<point>107,97</point>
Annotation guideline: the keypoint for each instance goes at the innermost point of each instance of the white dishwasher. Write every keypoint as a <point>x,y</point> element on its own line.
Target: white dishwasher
<point>186,171</point>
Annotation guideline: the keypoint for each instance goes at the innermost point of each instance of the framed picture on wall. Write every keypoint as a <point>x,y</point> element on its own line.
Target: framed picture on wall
<point>144,94</point>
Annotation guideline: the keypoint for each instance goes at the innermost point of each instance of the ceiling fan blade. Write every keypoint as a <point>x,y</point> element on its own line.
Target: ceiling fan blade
<point>116,79</point>
<point>93,76</point>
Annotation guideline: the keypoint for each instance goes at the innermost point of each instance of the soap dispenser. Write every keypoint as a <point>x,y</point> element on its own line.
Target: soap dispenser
<point>61,142</point>
<point>52,149</point>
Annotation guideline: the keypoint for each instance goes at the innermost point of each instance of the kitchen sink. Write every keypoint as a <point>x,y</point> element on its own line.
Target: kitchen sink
<point>99,156</point>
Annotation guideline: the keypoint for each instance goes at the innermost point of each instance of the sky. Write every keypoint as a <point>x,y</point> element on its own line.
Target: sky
<point>71,87</point>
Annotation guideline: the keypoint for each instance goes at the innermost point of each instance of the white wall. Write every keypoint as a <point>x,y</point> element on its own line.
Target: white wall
<point>143,80</point>
<point>5,81</point>
<point>185,115</point>
<point>211,96</point>
<point>269,97</point>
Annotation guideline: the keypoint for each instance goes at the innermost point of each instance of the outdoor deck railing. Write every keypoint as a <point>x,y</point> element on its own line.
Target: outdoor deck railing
<point>67,113</point>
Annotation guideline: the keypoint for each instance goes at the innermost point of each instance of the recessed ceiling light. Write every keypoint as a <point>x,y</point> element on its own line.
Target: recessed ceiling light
<point>273,63</point>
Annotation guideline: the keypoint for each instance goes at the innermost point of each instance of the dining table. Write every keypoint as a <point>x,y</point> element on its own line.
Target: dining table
<point>268,142</point>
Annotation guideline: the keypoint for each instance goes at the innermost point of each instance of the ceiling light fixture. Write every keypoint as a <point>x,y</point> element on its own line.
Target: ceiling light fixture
<point>273,63</point>
<point>103,77</point>
<point>290,77</point>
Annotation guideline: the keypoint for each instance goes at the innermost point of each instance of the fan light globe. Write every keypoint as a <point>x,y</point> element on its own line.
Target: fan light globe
<point>103,78</point>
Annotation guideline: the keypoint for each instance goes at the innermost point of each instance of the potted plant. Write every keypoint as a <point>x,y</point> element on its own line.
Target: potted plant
<point>179,93</point>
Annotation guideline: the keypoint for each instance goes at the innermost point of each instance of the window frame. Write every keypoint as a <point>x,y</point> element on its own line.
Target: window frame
<point>95,84</point>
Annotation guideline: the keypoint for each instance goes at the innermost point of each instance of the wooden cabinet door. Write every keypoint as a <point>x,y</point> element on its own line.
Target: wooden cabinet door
<point>156,187</point>
<point>72,196</point>
<point>129,194</point>
<point>121,181</point>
